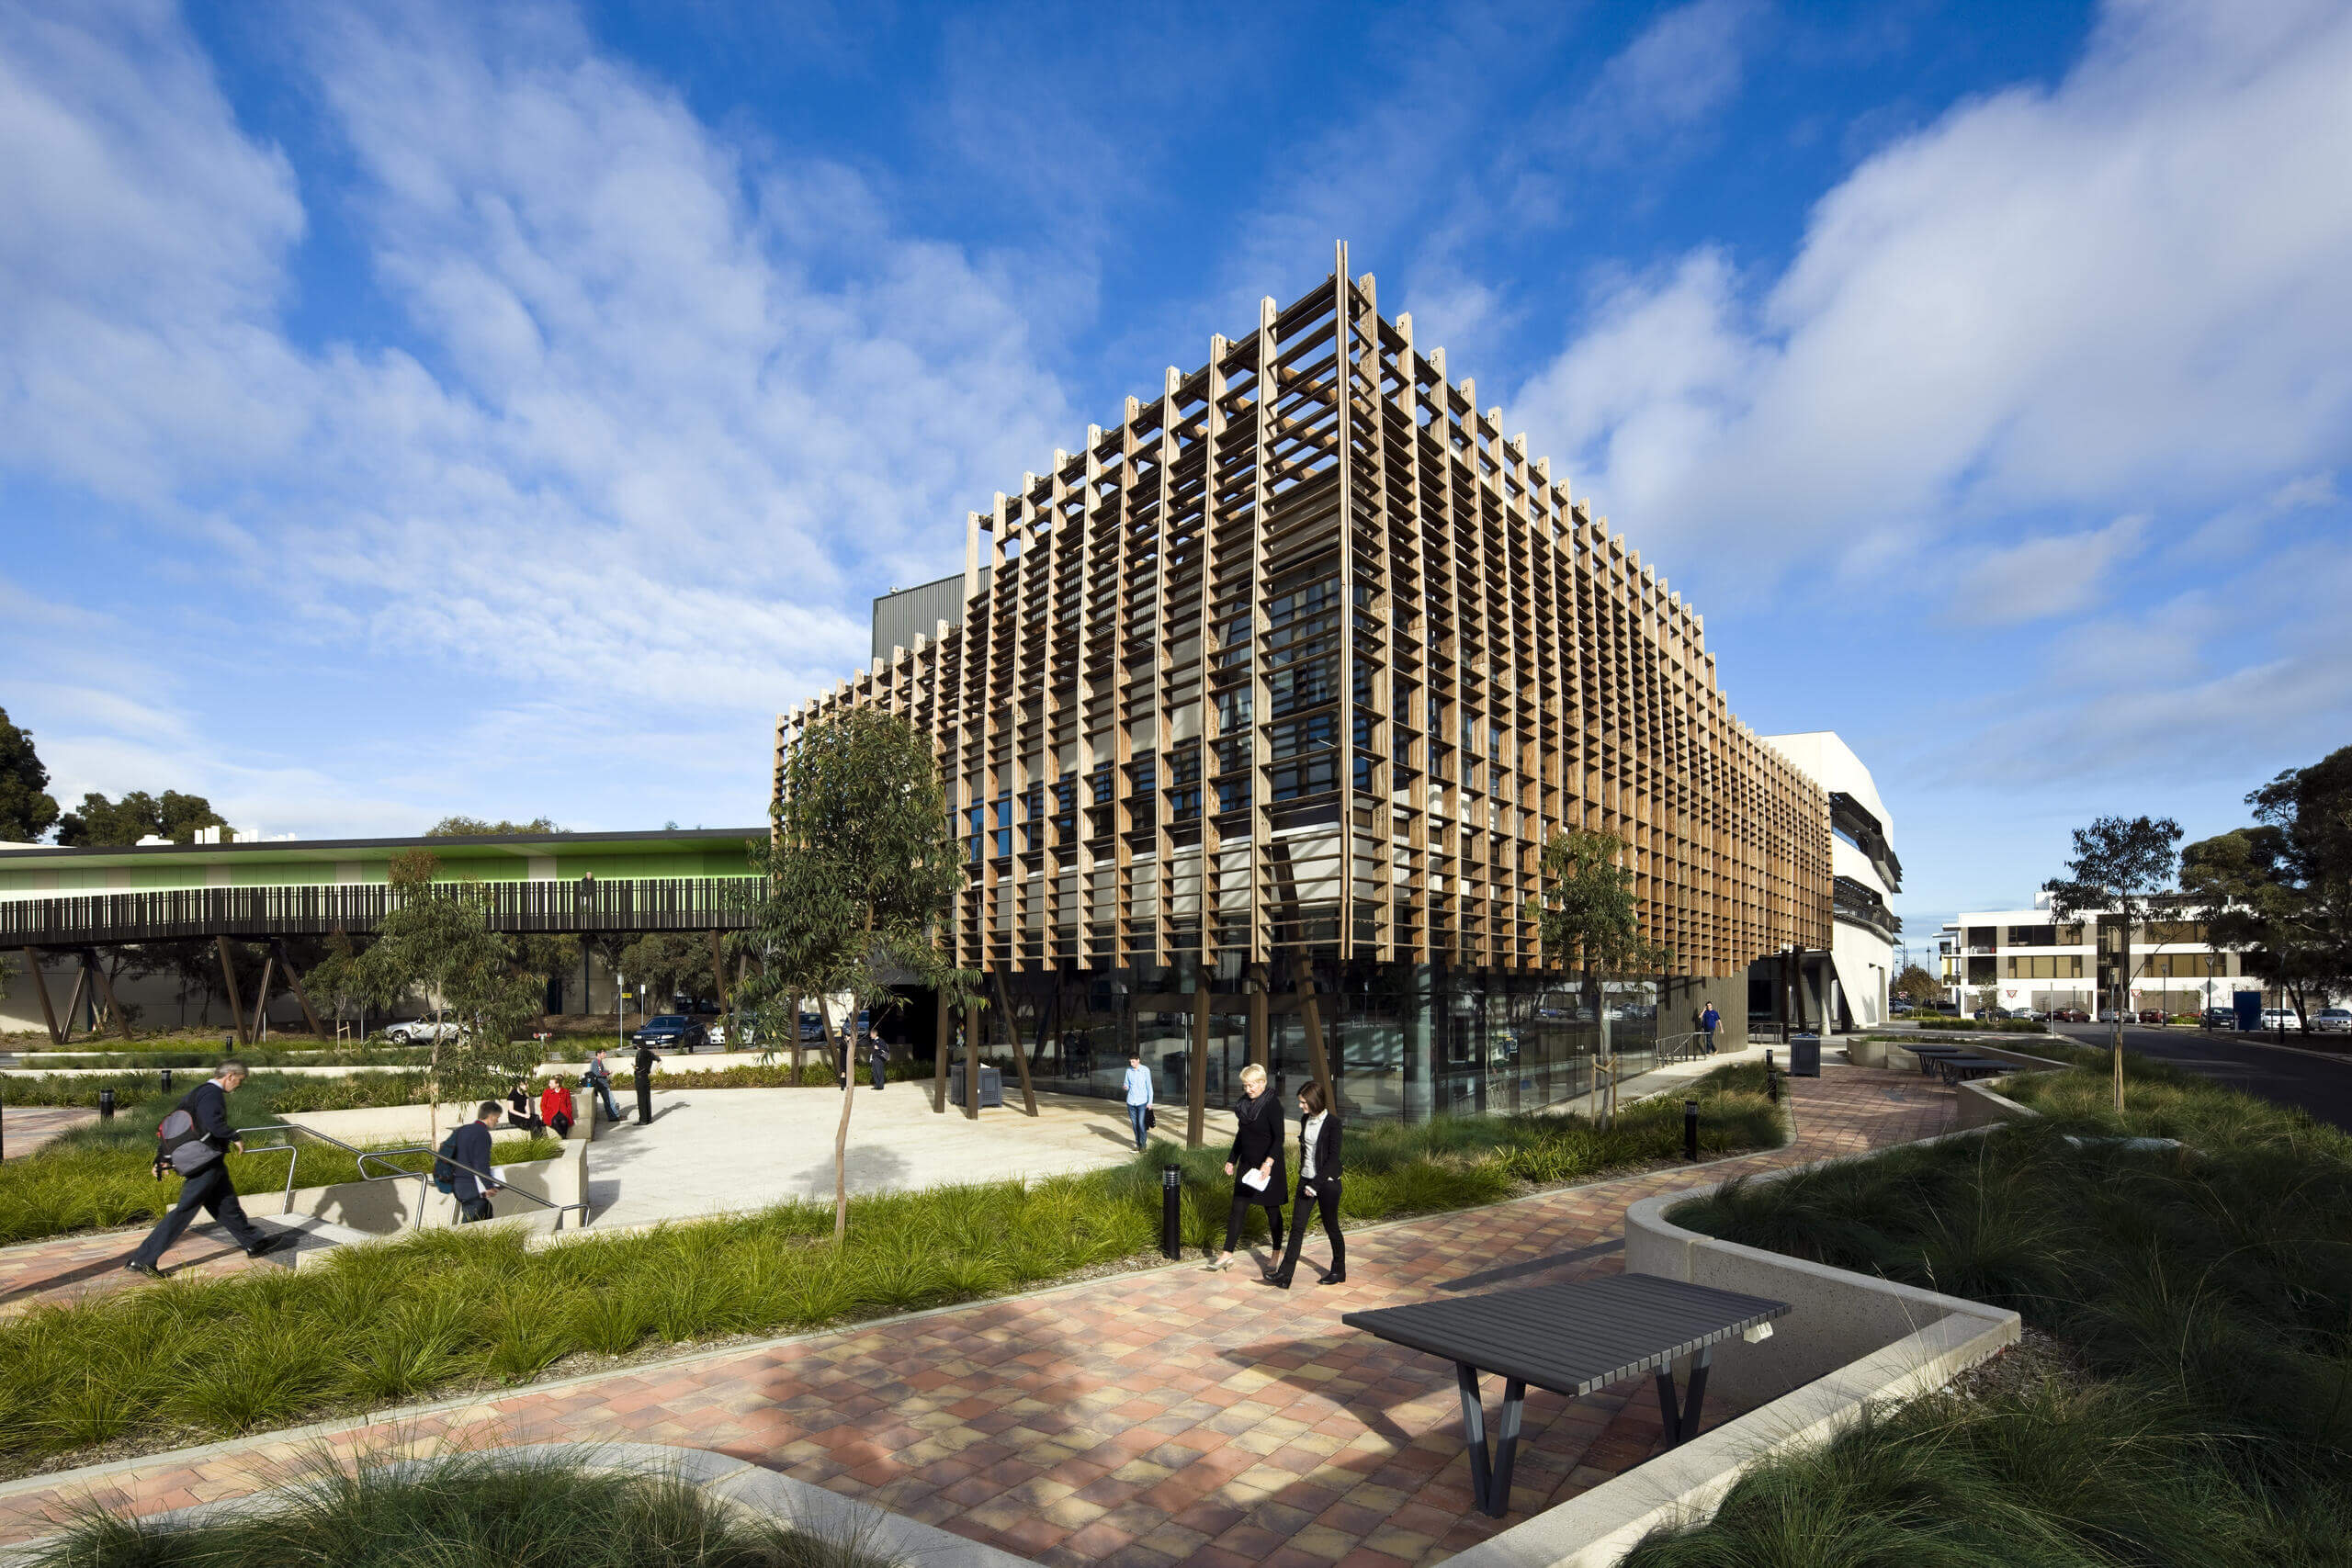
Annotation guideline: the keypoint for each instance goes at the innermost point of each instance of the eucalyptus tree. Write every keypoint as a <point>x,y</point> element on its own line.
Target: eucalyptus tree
<point>858,881</point>
<point>2121,865</point>
<point>1588,918</point>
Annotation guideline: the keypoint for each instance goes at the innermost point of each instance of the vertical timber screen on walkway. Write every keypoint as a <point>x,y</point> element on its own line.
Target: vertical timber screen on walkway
<point>1299,665</point>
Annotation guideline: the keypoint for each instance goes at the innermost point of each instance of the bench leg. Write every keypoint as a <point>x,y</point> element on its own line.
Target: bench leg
<point>1683,1423</point>
<point>1489,1479</point>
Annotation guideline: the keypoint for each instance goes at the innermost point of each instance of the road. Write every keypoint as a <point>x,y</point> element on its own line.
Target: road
<point>2324,1087</point>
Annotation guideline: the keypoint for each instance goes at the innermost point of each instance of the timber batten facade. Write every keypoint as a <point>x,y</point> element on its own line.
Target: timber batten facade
<point>1306,656</point>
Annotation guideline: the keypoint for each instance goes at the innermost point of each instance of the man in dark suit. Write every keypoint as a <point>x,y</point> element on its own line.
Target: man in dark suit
<point>208,1185</point>
<point>470,1145</point>
<point>645,1056</point>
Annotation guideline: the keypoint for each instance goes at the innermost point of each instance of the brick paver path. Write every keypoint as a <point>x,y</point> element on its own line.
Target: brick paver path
<point>26,1127</point>
<point>1170,1417</point>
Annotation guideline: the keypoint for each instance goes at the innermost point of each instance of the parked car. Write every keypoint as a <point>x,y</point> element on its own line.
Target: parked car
<point>2151,1015</point>
<point>421,1032</point>
<point>2221,1018</point>
<point>673,1032</point>
<point>2332,1021</point>
<point>739,1035</point>
<point>2281,1017</point>
<point>2070,1015</point>
<point>812,1027</point>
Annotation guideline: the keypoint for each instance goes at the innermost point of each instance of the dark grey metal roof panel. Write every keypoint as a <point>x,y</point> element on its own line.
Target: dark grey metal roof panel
<point>1576,1338</point>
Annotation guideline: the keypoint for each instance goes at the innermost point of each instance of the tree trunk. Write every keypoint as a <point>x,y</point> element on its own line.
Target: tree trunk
<point>841,1133</point>
<point>2118,1048</point>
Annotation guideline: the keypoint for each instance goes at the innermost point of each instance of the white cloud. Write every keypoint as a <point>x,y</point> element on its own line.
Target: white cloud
<point>2125,286</point>
<point>1674,75</point>
<point>2046,576</point>
<point>653,401</point>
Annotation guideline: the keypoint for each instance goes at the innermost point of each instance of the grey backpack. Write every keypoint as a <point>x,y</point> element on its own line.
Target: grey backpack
<point>179,1145</point>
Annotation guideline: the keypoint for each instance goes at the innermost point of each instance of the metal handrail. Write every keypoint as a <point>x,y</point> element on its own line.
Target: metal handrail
<point>424,1178</point>
<point>1667,1051</point>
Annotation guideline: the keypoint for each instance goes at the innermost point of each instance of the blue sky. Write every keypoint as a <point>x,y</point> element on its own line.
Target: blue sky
<point>409,409</point>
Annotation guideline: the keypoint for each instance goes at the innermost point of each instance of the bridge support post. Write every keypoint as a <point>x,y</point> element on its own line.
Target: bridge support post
<point>40,989</point>
<point>236,1002</point>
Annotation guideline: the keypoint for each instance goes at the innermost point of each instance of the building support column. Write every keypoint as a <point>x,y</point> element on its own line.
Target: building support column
<point>1012,1037</point>
<point>294,984</point>
<point>40,989</point>
<point>942,1025</point>
<point>972,1060</point>
<point>1311,1016</point>
<point>261,1002</point>
<point>229,978</point>
<point>1196,1094</point>
<point>106,990</point>
<point>73,1003</point>
<point>1260,1041</point>
<point>718,966</point>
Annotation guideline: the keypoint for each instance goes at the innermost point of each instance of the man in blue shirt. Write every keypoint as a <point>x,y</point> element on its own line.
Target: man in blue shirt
<point>1707,1021</point>
<point>1138,1096</point>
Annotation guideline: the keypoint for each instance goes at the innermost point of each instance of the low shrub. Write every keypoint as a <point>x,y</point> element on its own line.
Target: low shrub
<point>2205,1288</point>
<point>473,1307</point>
<point>1980,1026</point>
<point>207,1056</point>
<point>530,1511</point>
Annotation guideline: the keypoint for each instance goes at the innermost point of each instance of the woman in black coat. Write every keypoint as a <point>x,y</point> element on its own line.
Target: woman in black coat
<point>1257,1148</point>
<point>1319,1187</point>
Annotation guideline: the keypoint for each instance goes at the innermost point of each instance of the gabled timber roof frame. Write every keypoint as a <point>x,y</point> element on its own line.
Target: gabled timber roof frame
<point>1306,657</point>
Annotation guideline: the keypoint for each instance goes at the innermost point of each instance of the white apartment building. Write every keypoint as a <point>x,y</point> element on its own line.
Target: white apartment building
<point>1849,985</point>
<point>2032,960</point>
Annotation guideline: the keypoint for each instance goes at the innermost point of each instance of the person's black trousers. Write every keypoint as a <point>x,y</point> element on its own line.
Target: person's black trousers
<point>1242,1199</point>
<point>471,1209</point>
<point>645,1099</point>
<point>211,1190</point>
<point>1327,1203</point>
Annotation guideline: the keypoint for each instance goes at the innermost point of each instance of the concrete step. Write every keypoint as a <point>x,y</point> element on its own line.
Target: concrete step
<point>314,1238</point>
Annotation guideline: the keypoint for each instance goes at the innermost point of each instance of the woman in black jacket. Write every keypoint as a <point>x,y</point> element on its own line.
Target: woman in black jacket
<point>1319,1184</point>
<point>1256,1151</point>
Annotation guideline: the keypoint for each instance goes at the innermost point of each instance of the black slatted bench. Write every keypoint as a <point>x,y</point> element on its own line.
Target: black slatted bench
<point>1570,1338</point>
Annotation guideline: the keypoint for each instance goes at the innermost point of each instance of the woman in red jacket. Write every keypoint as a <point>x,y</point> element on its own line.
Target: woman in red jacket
<point>555,1107</point>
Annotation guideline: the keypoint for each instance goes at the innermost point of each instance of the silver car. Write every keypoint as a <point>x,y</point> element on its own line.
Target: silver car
<point>2333,1021</point>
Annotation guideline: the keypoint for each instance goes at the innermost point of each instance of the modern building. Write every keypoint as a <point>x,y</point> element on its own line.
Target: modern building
<point>70,918</point>
<point>1256,711</point>
<point>2028,958</point>
<point>1848,985</point>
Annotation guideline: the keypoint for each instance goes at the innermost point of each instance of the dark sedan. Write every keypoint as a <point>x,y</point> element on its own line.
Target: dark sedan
<point>673,1032</point>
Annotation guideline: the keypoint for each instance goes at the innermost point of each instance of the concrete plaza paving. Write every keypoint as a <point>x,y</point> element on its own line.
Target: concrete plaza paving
<point>1143,1420</point>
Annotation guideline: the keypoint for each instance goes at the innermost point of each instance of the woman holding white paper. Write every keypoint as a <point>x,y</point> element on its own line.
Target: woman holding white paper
<point>1258,1175</point>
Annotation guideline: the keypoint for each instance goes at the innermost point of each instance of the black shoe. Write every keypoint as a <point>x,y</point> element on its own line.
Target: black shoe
<point>1274,1280</point>
<point>268,1244</point>
<point>135,1266</point>
<point>1332,1279</point>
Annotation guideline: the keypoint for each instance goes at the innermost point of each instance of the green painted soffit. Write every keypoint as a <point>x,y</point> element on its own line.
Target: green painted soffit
<point>265,863</point>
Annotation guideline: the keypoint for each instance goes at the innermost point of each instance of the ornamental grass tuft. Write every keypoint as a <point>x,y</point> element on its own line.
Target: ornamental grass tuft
<point>518,1511</point>
<point>2207,1287</point>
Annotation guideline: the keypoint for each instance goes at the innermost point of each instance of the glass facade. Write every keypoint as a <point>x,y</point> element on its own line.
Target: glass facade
<point>1407,1040</point>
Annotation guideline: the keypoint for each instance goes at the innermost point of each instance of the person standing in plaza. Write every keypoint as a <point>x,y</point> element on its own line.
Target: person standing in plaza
<point>878,1056</point>
<point>645,1056</point>
<point>599,1078</point>
<point>199,1153</point>
<point>1256,1166</point>
<point>1319,1185</point>
<point>1138,1097</point>
<point>1707,1021</point>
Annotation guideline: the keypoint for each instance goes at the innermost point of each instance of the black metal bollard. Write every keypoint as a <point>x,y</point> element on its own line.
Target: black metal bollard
<point>1771,1079</point>
<point>1690,1130</point>
<point>106,1105</point>
<point>1172,1210</point>
<point>168,1080</point>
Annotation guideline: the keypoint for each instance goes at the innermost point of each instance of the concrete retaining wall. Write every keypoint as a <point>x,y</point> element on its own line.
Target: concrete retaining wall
<point>387,1208</point>
<point>1852,1341</point>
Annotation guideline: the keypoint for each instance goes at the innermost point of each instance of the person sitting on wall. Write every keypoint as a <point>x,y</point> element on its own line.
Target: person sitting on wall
<point>519,1113</point>
<point>556,1108</point>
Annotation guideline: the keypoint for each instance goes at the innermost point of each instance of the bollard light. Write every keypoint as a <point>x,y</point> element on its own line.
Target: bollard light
<point>1171,1210</point>
<point>106,1105</point>
<point>1690,1130</point>
<point>168,1080</point>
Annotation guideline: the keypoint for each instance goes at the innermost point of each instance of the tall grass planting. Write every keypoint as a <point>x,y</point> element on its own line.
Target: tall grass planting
<point>515,1510</point>
<point>469,1308</point>
<point>2203,1291</point>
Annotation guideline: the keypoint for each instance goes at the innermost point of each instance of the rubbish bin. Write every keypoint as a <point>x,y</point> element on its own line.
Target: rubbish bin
<point>991,1086</point>
<point>1805,1056</point>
